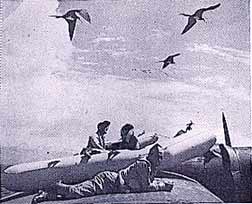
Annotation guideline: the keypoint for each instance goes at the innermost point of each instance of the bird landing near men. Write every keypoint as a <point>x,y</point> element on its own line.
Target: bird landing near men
<point>71,18</point>
<point>196,16</point>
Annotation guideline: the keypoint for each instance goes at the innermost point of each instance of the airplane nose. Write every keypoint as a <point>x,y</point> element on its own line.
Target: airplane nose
<point>238,162</point>
<point>245,156</point>
<point>245,161</point>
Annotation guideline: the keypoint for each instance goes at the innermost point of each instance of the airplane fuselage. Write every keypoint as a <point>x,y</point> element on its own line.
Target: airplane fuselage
<point>34,176</point>
<point>232,183</point>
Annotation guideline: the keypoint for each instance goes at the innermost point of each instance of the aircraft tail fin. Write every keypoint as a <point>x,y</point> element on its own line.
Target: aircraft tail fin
<point>226,132</point>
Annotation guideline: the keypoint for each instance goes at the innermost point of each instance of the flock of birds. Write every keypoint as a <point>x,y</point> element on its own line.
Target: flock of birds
<point>72,16</point>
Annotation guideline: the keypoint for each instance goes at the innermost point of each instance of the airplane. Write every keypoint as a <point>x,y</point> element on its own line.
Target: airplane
<point>29,178</point>
<point>223,177</point>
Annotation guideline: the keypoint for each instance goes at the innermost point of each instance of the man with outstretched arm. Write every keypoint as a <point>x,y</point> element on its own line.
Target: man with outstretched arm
<point>137,177</point>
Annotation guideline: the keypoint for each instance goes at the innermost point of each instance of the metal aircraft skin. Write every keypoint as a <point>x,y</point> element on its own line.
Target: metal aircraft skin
<point>185,190</point>
<point>225,171</point>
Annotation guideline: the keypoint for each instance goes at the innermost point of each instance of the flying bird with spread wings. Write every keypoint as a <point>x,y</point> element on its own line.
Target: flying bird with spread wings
<point>197,16</point>
<point>71,18</point>
<point>169,60</point>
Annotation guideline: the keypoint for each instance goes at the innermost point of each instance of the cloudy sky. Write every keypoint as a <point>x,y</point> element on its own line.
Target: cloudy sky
<point>56,91</point>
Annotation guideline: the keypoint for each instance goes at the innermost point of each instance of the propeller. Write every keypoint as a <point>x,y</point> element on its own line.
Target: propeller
<point>226,132</point>
<point>224,148</point>
<point>226,160</point>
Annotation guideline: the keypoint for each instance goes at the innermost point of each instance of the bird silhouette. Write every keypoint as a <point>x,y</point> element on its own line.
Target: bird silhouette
<point>169,60</point>
<point>189,126</point>
<point>180,133</point>
<point>197,16</point>
<point>71,18</point>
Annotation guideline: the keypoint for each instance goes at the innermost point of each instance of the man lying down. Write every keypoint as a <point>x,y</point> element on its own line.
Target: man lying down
<point>137,177</point>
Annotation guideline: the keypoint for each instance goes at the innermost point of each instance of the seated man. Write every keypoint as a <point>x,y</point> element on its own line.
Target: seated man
<point>138,177</point>
<point>99,141</point>
<point>130,141</point>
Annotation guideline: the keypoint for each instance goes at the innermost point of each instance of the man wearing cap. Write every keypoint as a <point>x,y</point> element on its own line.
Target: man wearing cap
<point>97,142</point>
<point>137,177</point>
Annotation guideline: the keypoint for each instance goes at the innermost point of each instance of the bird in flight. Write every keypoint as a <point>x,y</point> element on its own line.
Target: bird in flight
<point>71,18</point>
<point>197,16</point>
<point>189,125</point>
<point>169,60</point>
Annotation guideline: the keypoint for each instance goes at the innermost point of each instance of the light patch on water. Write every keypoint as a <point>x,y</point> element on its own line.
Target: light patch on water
<point>90,63</point>
<point>228,54</point>
<point>222,83</point>
<point>108,39</point>
<point>157,35</point>
<point>214,81</point>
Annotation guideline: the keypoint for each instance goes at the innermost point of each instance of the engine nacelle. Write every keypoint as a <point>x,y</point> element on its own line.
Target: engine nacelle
<point>238,162</point>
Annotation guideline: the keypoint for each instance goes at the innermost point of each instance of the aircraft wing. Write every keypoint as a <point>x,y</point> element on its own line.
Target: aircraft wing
<point>185,190</point>
<point>13,196</point>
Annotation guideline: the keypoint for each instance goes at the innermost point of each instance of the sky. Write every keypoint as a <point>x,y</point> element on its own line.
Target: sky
<point>56,91</point>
